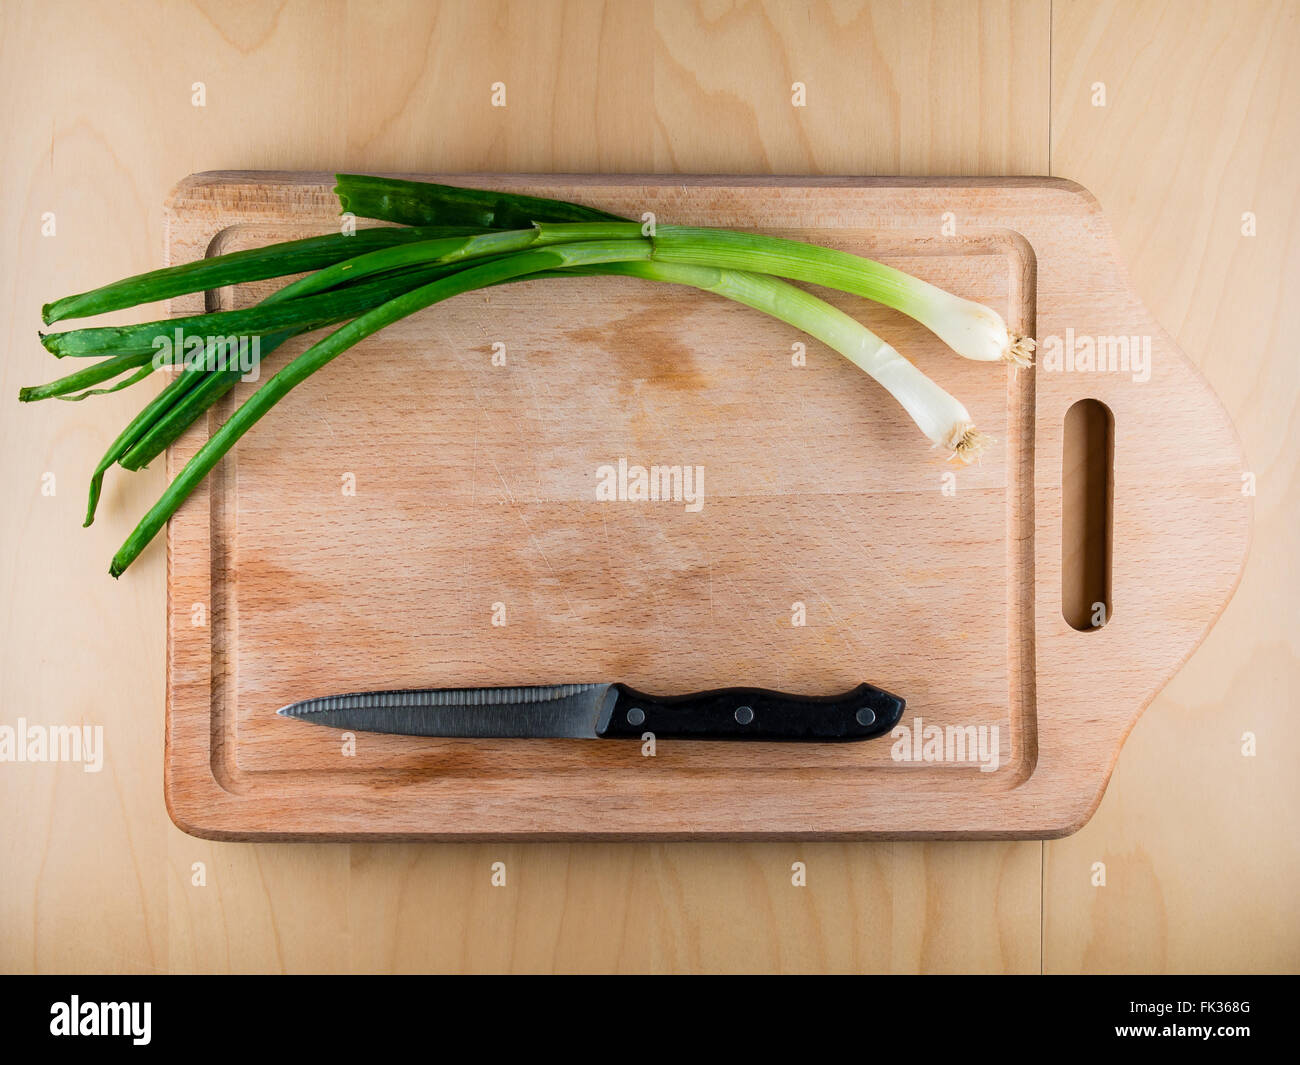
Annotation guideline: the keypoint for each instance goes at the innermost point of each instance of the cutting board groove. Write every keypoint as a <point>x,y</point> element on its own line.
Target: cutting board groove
<point>475,490</point>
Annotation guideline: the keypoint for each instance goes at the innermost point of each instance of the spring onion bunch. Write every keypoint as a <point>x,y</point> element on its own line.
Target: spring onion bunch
<point>446,241</point>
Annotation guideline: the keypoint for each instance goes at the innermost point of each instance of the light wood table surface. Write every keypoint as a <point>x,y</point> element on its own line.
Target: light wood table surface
<point>1200,125</point>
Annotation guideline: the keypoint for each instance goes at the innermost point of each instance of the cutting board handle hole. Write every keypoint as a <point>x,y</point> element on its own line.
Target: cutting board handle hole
<point>1087,501</point>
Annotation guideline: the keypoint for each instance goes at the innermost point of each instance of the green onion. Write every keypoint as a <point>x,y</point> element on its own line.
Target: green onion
<point>465,239</point>
<point>971,329</point>
<point>253,264</point>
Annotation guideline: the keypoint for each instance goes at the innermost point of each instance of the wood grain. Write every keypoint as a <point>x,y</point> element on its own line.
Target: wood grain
<point>1199,840</point>
<point>478,488</point>
<point>95,875</point>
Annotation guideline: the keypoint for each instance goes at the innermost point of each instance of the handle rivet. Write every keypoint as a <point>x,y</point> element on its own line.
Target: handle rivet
<point>865,717</point>
<point>744,715</point>
<point>635,716</point>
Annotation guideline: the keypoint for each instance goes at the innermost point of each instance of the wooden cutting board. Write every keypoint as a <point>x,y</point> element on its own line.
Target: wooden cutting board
<point>424,513</point>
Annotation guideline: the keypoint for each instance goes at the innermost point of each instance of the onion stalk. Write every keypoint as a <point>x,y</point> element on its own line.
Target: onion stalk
<point>452,241</point>
<point>971,329</point>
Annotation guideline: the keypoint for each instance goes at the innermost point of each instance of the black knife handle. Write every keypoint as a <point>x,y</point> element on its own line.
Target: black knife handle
<point>750,714</point>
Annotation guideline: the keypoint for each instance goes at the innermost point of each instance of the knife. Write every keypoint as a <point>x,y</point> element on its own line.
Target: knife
<point>608,711</point>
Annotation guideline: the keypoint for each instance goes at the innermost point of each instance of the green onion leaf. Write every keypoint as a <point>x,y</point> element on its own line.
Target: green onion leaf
<point>253,264</point>
<point>420,203</point>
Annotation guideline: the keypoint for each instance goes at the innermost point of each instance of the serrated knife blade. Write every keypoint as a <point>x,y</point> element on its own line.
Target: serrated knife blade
<point>567,711</point>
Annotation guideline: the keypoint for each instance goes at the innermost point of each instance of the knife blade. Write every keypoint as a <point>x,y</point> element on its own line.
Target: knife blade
<point>608,711</point>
